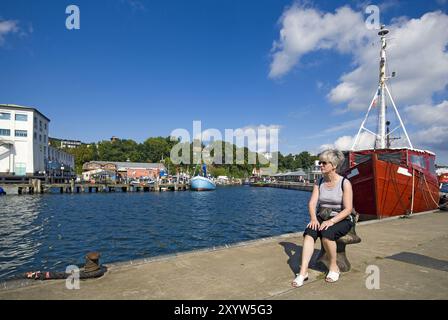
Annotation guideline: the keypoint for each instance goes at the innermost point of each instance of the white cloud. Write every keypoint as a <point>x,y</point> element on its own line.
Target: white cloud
<point>306,29</point>
<point>435,120</point>
<point>344,143</point>
<point>435,137</point>
<point>416,51</point>
<point>7,27</point>
<point>428,114</point>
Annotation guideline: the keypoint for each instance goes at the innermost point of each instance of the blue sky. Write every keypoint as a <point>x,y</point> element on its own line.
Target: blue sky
<point>137,69</point>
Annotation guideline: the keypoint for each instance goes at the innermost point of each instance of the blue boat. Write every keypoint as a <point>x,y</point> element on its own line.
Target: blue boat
<point>200,183</point>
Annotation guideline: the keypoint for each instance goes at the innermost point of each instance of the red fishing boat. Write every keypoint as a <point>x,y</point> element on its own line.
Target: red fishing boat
<point>388,180</point>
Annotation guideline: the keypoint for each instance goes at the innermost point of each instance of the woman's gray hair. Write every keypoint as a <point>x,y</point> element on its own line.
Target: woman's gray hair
<point>336,157</point>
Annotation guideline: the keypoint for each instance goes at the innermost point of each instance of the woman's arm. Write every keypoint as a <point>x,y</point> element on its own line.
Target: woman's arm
<point>313,202</point>
<point>314,224</point>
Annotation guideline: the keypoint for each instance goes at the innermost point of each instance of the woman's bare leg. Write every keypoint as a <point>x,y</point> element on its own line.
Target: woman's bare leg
<point>330,249</point>
<point>307,253</point>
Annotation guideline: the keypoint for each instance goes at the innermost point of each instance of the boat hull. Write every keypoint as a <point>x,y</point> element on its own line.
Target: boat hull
<point>202,184</point>
<point>384,189</point>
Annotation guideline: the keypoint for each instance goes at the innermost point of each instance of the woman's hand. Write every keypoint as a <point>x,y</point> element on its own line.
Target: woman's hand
<point>314,224</point>
<point>326,224</point>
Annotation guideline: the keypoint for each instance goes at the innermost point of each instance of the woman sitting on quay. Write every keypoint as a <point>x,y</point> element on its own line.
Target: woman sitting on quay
<point>333,196</point>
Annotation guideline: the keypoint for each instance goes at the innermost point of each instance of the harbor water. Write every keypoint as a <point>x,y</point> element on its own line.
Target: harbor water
<point>50,232</point>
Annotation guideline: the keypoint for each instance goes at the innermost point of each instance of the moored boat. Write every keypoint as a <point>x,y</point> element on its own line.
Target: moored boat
<point>199,183</point>
<point>389,181</point>
<point>202,183</point>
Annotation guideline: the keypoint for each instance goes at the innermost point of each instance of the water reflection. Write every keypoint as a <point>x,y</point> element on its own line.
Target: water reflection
<point>19,232</point>
<point>53,231</point>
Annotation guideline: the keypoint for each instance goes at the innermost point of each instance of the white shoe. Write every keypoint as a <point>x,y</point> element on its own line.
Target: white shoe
<point>298,281</point>
<point>332,276</point>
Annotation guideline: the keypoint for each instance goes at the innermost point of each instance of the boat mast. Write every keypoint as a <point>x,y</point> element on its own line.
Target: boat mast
<point>383,135</point>
<point>382,112</point>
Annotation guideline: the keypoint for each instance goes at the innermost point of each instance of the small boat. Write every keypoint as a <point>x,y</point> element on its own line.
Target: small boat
<point>199,183</point>
<point>202,183</point>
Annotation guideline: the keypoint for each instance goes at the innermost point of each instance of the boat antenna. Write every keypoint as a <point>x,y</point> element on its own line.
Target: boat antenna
<point>382,136</point>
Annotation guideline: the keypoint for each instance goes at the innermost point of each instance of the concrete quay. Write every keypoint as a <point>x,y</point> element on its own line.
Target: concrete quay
<point>408,258</point>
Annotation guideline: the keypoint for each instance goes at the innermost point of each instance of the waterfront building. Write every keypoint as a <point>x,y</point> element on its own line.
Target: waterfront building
<point>264,172</point>
<point>127,171</point>
<point>295,176</point>
<point>222,180</point>
<point>23,140</point>
<point>60,163</point>
<point>64,143</point>
<point>314,173</point>
<point>99,175</point>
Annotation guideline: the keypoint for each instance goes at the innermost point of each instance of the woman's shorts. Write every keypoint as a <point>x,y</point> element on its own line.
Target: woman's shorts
<point>333,233</point>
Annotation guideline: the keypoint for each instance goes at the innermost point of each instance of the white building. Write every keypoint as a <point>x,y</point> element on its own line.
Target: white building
<point>64,143</point>
<point>23,140</point>
<point>24,148</point>
<point>314,173</point>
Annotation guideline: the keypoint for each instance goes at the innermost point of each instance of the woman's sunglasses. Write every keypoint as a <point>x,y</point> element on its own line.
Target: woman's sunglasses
<point>323,163</point>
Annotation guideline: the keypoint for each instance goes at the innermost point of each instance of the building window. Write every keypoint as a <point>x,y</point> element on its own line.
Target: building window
<point>35,135</point>
<point>5,132</point>
<point>21,117</point>
<point>45,138</point>
<point>5,116</point>
<point>21,133</point>
<point>40,125</point>
<point>35,123</point>
<point>45,126</point>
<point>40,138</point>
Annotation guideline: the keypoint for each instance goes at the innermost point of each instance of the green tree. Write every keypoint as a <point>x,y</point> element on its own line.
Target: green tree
<point>120,150</point>
<point>84,153</point>
<point>156,149</point>
<point>305,159</point>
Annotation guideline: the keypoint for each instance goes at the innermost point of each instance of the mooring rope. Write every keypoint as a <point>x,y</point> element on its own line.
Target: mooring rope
<point>430,193</point>
<point>413,190</point>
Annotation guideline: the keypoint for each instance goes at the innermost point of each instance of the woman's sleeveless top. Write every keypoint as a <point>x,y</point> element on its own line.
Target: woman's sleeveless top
<point>331,197</point>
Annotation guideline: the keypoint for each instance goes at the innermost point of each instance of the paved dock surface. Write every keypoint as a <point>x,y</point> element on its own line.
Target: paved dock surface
<point>410,254</point>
